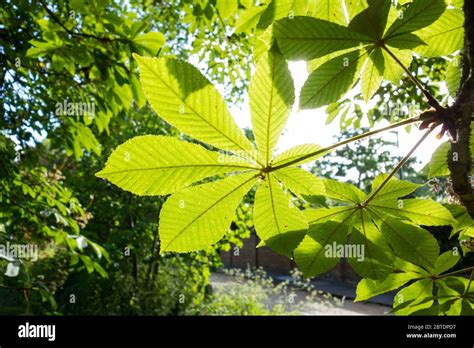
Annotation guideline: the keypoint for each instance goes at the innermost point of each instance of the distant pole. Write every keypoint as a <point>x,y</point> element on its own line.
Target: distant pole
<point>399,157</point>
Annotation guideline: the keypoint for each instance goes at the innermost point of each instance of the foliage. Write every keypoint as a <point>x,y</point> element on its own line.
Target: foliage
<point>253,292</point>
<point>176,286</point>
<point>359,165</point>
<point>377,43</point>
<point>69,94</point>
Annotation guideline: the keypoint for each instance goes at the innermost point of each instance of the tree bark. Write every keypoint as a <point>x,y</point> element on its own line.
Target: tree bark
<point>460,160</point>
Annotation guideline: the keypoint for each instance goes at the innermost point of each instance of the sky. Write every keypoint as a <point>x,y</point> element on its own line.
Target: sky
<point>308,126</point>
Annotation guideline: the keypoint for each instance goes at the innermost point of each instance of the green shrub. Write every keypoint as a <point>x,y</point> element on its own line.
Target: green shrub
<point>253,292</point>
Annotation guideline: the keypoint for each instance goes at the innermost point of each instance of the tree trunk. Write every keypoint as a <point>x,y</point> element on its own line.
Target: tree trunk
<point>460,160</point>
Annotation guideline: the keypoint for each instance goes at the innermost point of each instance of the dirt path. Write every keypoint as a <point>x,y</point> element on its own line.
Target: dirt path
<point>320,306</point>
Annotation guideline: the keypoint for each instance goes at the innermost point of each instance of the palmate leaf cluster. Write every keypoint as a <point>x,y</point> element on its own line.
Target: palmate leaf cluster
<point>197,216</point>
<point>207,183</point>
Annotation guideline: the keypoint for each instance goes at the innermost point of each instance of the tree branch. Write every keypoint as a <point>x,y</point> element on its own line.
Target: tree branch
<point>422,117</point>
<point>397,167</point>
<point>431,100</point>
<point>55,18</point>
<point>464,270</point>
<point>460,160</point>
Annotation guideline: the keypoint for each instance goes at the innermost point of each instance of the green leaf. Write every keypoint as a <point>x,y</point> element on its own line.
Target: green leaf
<point>392,190</point>
<point>406,41</point>
<point>329,10</point>
<point>263,42</point>
<point>459,4</point>
<point>159,165</point>
<point>393,71</point>
<point>435,310</point>
<point>419,14</point>
<point>354,7</point>
<point>446,261</point>
<point>330,81</point>
<point>286,8</point>
<point>419,211</point>
<point>246,3</point>
<point>278,9</point>
<point>444,36</point>
<point>410,242</point>
<point>453,286</point>
<point>124,95</point>
<point>343,192</point>
<point>372,20</point>
<point>453,76</point>
<point>138,95</point>
<point>227,8</point>
<point>319,250</point>
<point>271,98</point>
<point>41,48</point>
<point>199,216</point>
<point>368,288</point>
<point>152,42</point>
<point>405,266</point>
<point>183,97</point>
<point>372,74</point>
<point>451,290</point>
<point>296,152</point>
<point>276,218</point>
<point>306,38</point>
<point>438,165</point>
<point>416,294</point>
<point>249,18</point>
<point>463,219</point>
<point>300,182</point>
<point>319,200</point>
<point>339,214</point>
<point>462,307</point>
<point>313,64</point>
<point>376,262</point>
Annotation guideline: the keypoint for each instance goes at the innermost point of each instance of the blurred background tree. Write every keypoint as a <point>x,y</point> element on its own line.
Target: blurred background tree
<point>98,245</point>
<point>360,163</point>
<point>97,242</point>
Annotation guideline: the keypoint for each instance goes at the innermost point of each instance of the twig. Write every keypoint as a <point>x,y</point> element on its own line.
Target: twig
<point>455,272</point>
<point>431,100</point>
<point>397,167</point>
<point>78,34</point>
<point>347,141</point>
<point>469,284</point>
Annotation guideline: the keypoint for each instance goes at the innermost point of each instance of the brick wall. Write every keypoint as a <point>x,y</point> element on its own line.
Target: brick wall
<point>271,262</point>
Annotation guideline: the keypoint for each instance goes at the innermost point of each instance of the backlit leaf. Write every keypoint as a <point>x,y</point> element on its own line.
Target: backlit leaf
<point>196,217</point>
<point>368,288</point>
<point>331,80</point>
<point>278,222</point>
<point>183,97</point>
<point>317,253</point>
<point>271,98</point>
<point>308,38</point>
<point>300,182</point>
<point>159,165</point>
<point>308,153</point>
<point>419,14</point>
<point>410,242</point>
